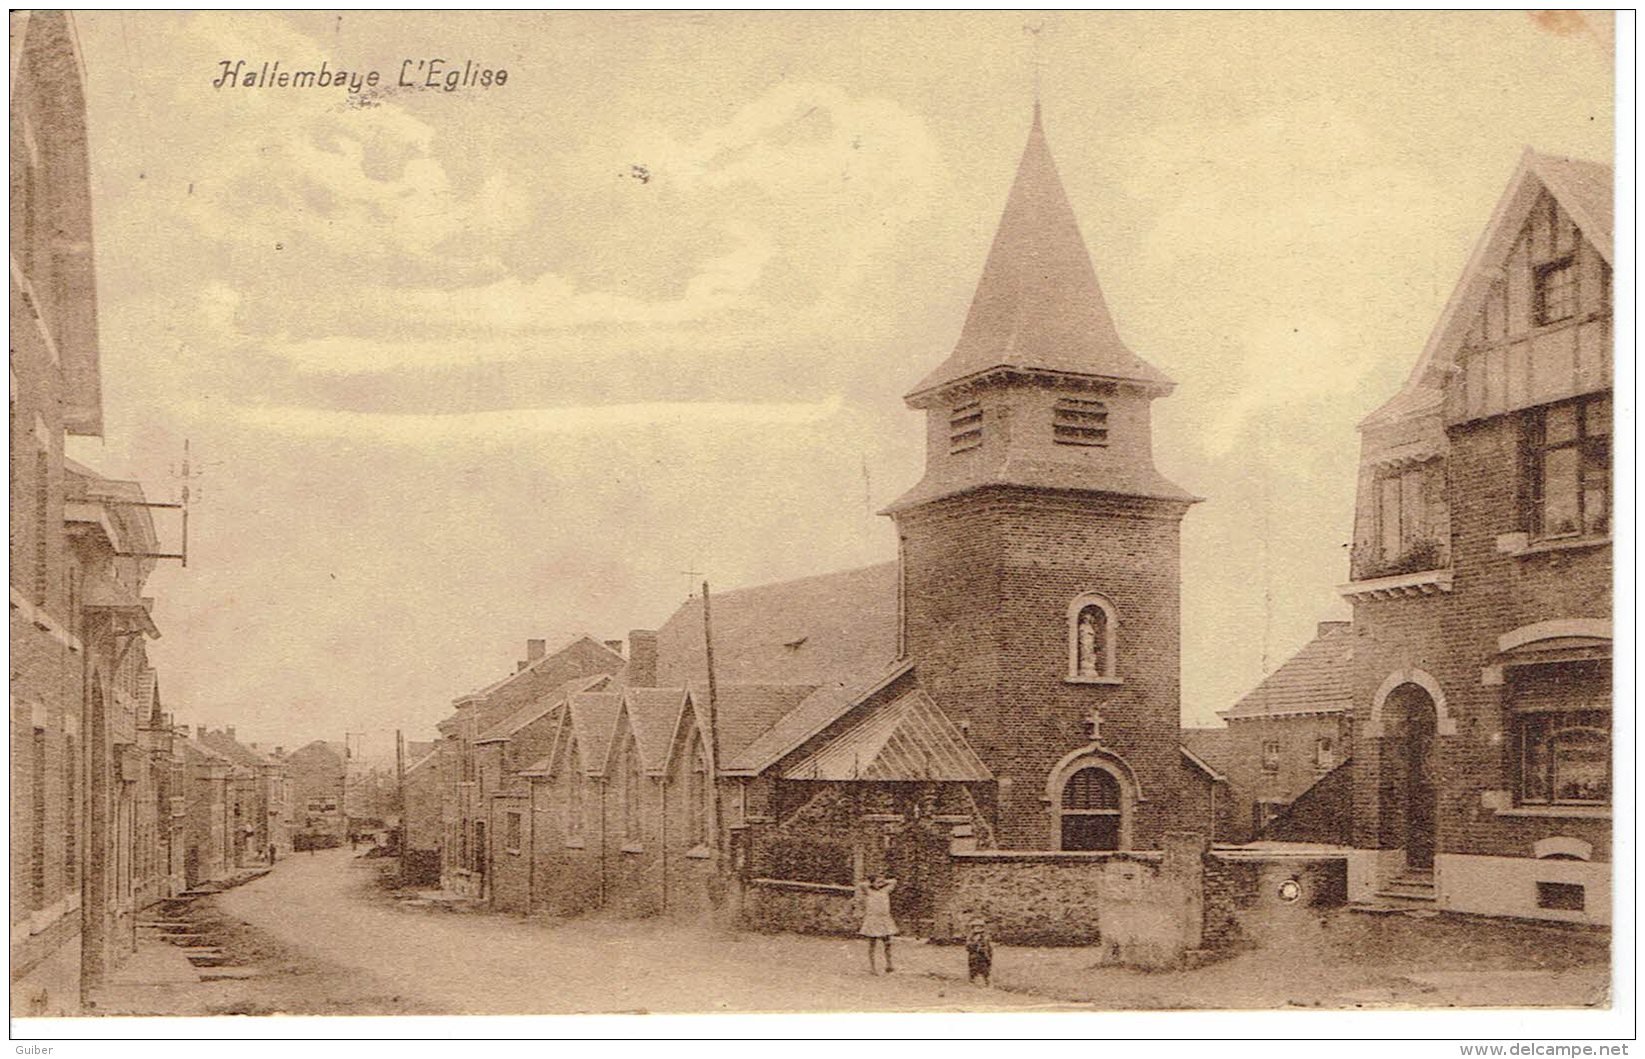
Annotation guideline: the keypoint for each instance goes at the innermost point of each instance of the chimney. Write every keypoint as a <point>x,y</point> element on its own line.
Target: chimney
<point>518,666</point>
<point>642,658</point>
<point>535,649</point>
<point>279,751</point>
<point>230,731</point>
<point>200,733</point>
<point>1327,627</point>
<point>614,646</point>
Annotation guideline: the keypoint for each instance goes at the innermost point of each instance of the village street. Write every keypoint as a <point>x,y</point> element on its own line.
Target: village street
<point>320,934</point>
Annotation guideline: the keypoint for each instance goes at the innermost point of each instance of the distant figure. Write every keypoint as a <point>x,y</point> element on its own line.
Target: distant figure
<point>979,951</point>
<point>877,924</point>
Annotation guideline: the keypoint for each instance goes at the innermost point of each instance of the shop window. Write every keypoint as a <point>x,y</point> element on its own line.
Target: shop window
<point>1565,758</point>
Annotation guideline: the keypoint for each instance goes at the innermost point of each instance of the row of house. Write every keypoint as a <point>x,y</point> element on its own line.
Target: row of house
<point>114,806</point>
<point>1456,734</point>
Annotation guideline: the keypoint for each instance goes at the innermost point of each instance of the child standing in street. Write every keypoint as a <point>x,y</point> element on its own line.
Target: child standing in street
<point>979,951</point>
<point>877,924</point>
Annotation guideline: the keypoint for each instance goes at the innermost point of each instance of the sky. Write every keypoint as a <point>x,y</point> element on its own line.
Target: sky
<point>463,368</point>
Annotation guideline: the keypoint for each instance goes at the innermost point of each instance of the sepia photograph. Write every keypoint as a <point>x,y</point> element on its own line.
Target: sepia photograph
<point>1010,514</point>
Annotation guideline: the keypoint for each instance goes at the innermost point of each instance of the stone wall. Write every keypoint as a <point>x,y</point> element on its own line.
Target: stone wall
<point>1260,896</point>
<point>804,908</point>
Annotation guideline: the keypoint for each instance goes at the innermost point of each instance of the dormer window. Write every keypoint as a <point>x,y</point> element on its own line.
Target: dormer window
<point>965,428</point>
<point>1555,294</point>
<point>1079,421</point>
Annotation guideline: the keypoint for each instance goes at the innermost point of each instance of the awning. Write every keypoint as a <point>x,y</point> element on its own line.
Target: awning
<point>907,739</point>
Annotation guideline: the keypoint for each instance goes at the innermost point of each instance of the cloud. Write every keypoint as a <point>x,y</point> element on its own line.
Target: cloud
<point>513,424</point>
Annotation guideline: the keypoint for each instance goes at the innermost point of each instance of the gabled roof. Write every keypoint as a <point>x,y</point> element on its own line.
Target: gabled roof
<point>1582,188</point>
<point>535,710</point>
<point>813,630</point>
<point>1038,306</point>
<point>821,708</point>
<point>593,719</point>
<point>221,743</point>
<point>1314,680</point>
<point>1208,746</point>
<point>908,738</point>
<point>548,659</point>
<point>654,714</point>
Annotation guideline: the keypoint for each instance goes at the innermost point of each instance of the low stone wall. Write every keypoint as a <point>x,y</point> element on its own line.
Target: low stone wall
<point>1145,909</point>
<point>1254,896</point>
<point>802,907</point>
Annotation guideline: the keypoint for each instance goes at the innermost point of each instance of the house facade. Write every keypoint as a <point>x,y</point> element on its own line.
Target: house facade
<point>259,809</point>
<point>1481,578</point>
<point>89,747</point>
<point>1289,733</point>
<point>317,779</point>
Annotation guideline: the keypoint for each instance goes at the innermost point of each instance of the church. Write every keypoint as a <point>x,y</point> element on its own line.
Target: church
<point>1009,683</point>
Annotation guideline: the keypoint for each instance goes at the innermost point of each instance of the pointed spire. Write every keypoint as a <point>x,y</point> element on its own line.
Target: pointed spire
<point>1038,305</point>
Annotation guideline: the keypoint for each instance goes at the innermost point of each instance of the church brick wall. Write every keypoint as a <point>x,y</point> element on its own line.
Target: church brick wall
<point>990,577</point>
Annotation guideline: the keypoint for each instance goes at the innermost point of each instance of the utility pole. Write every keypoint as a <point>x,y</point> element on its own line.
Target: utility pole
<point>400,783</point>
<point>713,723</point>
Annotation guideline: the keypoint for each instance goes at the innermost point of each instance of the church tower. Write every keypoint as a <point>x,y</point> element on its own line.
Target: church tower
<point>1040,550</point>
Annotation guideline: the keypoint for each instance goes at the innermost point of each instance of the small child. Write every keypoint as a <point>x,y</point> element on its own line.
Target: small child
<point>877,925</point>
<point>979,951</point>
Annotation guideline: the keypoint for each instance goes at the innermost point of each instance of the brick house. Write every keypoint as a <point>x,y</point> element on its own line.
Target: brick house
<point>420,819</point>
<point>317,775</point>
<point>88,756</point>
<point>1010,682</point>
<point>1481,578</point>
<point>470,772</point>
<point>1289,732</point>
<point>262,828</point>
<point>207,808</point>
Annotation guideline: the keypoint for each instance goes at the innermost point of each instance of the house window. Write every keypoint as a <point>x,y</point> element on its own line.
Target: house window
<point>1565,758</point>
<point>697,794</point>
<point>37,850</point>
<point>1404,541</point>
<point>1091,810</point>
<point>631,790</point>
<point>512,831</point>
<point>1325,753</point>
<point>1079,421</point>
<point>1270,755</point>
<point>1564,897</point>
<point>1570,468</point>
<point>1092,631</point>
<point>576,783</point>
<point>71,810</point>
<point>42,526</point>
<point>965,427</point>
<point>1555,290</point>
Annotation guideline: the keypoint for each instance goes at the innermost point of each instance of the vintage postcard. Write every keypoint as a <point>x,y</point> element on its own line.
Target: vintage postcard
<point>565,513</point>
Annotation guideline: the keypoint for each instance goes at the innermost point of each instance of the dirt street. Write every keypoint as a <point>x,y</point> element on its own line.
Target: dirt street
<point>321,935</point>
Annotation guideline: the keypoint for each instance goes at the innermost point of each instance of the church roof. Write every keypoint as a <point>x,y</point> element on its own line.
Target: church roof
<point>908,738</point>
<point>1038,306</point>
<point>1047,474</point>
<point>1314,680</point>
<point>813,630</point>
<point>821,708</point>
